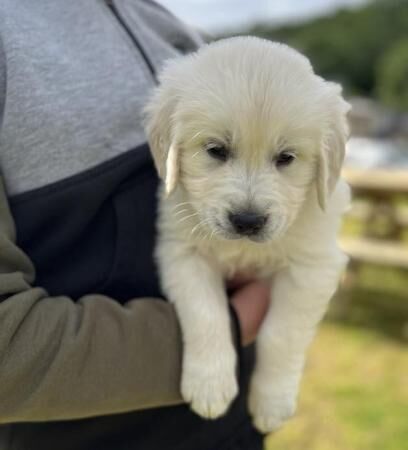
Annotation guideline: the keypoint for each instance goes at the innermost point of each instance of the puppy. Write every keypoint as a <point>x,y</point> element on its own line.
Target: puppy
<point>249,143</point>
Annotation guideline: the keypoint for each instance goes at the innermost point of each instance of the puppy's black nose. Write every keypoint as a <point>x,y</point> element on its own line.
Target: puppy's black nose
<point>247,223</point>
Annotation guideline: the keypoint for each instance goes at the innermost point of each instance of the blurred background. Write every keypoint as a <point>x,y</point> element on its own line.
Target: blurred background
<point>355,391</point>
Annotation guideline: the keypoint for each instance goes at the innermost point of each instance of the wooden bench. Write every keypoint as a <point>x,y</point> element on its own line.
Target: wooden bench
<point>379,188</point>
<point>376,181</point>
<point>374,251</point>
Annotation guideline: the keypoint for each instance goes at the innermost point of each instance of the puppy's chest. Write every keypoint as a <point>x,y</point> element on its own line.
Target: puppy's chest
<point>246,258</point>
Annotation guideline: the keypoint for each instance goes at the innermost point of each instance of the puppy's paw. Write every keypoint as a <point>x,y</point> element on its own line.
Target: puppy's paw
<point>209,389</point>
<point>271,408</point>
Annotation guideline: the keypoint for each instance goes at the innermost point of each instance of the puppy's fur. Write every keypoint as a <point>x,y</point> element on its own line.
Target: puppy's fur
<point>254,99</point>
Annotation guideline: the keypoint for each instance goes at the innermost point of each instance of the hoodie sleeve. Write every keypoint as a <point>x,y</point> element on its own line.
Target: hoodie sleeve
<point>61,359</point>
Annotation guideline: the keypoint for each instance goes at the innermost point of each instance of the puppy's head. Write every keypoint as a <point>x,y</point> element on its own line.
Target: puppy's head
<point>247,130</point>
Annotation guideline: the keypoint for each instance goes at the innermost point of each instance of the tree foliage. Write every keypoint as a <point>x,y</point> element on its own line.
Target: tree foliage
<point>349,45</point>
<point>392,76</point>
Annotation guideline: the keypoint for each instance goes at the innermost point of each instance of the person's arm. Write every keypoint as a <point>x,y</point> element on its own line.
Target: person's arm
<point>64,360</point>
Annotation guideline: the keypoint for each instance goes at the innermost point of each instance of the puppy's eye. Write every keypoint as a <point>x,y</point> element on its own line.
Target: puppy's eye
<point>284,158</point>
<point>218,151</point>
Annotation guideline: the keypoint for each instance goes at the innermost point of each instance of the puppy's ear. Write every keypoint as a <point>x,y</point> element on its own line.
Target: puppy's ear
<point>161,137</point>
<point>333,144</point>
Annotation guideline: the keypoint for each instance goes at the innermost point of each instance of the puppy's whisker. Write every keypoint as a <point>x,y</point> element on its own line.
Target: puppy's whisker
<point>216,233</point>
<point>197,227</point>
<point>213,232</point>
<point>202,234</point>
<point>181,212</point>
<point>182,203</point>
<point>196,153</point>
<point>206,237</point>
<point>187,217</point>
<point>205,231</point>
<point>179,205</point>
<point>177,210</point>
<point>196,135</point>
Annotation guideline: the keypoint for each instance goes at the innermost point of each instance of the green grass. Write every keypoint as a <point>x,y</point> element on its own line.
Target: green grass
<point>354,395</point>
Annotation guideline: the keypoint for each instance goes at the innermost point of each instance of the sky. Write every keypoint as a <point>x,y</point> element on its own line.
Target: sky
<point>220,15</point>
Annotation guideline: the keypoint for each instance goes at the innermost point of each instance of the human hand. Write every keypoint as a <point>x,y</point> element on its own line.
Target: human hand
<point>250,299</point>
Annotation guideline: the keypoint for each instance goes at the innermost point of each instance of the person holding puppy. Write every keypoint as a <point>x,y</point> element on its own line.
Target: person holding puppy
<point>90,354</point>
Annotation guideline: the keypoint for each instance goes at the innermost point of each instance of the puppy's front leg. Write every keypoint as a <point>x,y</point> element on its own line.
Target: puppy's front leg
<point>209,360</point>
<point>300,296</point>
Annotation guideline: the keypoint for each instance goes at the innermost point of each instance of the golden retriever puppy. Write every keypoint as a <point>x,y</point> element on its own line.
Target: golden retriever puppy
<point>249,143</point>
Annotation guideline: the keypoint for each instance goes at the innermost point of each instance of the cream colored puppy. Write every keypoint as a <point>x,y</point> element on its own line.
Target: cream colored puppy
<point>249,143</point>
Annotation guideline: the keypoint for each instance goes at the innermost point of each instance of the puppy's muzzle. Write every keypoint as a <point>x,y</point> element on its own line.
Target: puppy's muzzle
<point>247,223</point>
